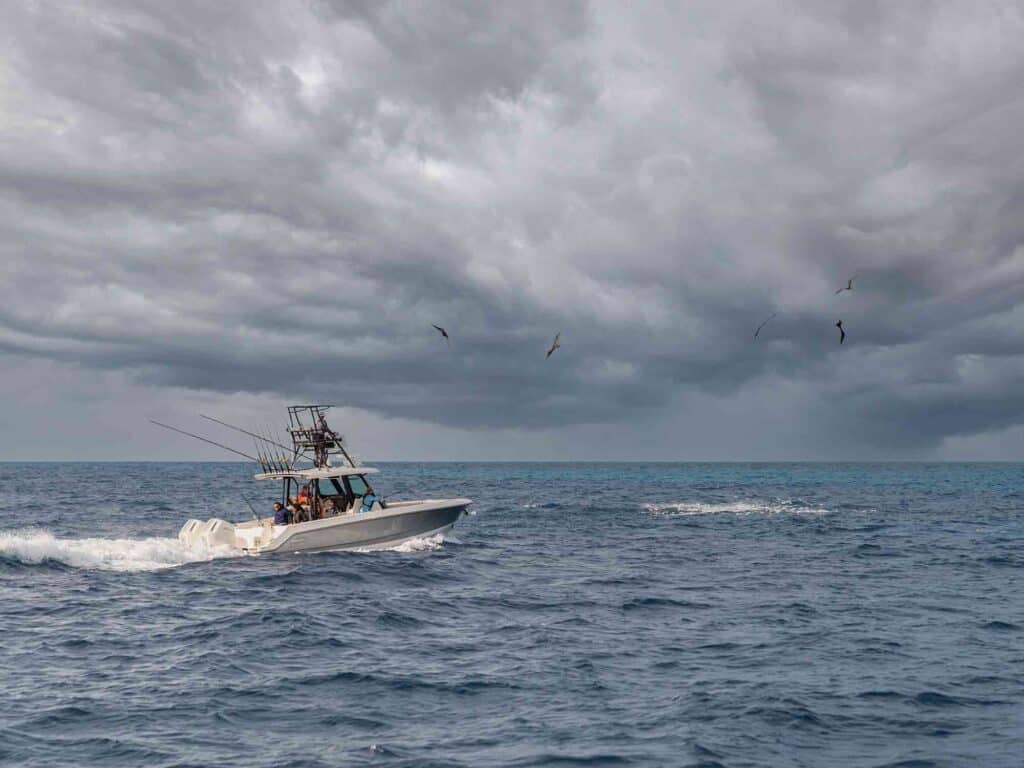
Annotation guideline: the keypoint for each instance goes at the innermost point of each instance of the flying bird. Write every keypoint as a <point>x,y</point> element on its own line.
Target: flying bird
<point>762,325</point>
<point>842,333</point>
<point>443,333</point>
<point>554,345</point>
<point>849,285</point>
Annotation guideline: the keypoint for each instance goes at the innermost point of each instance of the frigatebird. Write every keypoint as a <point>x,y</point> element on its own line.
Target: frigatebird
<point>842,333</point>
<point>849,285</point>
<point>443,333</point>
<point>554,345</point>
<point>762,325</point>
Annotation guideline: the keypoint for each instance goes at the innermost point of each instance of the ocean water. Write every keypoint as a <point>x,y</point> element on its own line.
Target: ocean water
<point>587,614</point>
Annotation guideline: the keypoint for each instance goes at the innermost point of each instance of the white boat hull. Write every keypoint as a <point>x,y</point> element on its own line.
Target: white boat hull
<point>378,529</point>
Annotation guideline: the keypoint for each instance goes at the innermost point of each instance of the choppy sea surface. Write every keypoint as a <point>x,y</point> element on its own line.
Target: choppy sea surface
<point>587,614</point>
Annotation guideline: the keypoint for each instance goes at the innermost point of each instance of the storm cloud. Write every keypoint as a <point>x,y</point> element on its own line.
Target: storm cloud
<point>277,200</point>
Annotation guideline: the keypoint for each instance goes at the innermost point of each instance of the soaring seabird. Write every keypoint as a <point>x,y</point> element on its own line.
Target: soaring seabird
<point>554,345</point>
<point>443,333</point>
<point>762,325</point>
<point>849,285</point>
<point>842,333</point>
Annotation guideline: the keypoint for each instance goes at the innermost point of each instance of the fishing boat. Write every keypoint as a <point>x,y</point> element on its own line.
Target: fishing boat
<point>334,506</point>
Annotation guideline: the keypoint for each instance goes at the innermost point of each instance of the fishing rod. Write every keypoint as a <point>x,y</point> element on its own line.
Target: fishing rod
<point>211,442</point>
<point>283,460</point>
<point>268,448</point>
<point>261,451</point>
<point>253,434</point>
<point>264,465</point>
<point>246,500</point>
<point>268,451</point>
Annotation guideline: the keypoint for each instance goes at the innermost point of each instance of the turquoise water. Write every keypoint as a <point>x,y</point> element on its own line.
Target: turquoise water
<point>587,614</point>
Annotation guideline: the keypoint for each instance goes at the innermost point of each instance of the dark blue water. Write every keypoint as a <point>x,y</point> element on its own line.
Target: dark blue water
<point>604,615</point>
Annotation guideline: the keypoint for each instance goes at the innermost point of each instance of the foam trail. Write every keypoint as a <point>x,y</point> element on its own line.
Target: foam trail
<point>734,507</point>
<point>34,546</point>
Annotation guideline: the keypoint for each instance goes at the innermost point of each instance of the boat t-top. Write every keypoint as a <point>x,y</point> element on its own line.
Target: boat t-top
<point>331,504</point>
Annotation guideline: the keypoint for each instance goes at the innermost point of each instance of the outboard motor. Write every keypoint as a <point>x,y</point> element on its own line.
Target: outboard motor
<point>219,533</point>
<point>213,533</point>
<point>188,535</point>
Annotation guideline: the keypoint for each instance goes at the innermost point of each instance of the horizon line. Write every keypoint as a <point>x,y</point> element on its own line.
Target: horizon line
<point>539,461</point>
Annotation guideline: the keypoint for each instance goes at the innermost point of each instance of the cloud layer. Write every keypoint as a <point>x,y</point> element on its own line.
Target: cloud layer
<point>280,198</point>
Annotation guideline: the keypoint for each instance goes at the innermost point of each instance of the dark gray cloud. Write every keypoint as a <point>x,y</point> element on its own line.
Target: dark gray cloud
<point>278,199</point>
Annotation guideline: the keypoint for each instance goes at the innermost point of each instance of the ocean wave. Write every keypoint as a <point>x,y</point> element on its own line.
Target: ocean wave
<point>39,546</point>
<point>661,602</point>
<point>750,507</point>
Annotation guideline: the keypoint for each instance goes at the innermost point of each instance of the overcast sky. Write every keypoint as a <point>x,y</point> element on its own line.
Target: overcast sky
<point>228,207</point>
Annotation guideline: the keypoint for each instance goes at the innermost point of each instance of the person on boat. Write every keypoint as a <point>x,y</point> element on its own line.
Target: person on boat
<point>314,507</point>
<point>303,497</point>
<point>281,515</point>
<point>294,515</point>
<point>368,498</point>
<point>328,509</point>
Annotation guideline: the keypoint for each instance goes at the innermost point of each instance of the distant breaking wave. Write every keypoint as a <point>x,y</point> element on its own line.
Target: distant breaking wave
<point>35,546</point>
<point>734,507</point>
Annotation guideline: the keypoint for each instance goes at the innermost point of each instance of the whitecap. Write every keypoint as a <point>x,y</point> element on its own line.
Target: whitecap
<point>33,546</point>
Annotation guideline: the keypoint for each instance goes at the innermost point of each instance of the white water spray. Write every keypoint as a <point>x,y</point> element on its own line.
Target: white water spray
<point>34,546</point>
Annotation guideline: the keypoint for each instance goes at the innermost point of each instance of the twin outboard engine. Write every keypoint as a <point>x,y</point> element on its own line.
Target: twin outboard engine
<point>213,533</point>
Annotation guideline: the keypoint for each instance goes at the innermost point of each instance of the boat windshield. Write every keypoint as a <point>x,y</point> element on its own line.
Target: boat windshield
<point>357,484</point>
<point>329,486</point>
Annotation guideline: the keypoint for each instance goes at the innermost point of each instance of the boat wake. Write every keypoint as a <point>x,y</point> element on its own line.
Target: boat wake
<point>37,546</point>
<point>34,546</point>
<point>733,507</point>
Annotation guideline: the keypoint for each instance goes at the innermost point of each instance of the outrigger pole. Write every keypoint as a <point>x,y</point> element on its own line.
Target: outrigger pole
<point>211,442</point>
<point>258,437</point>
